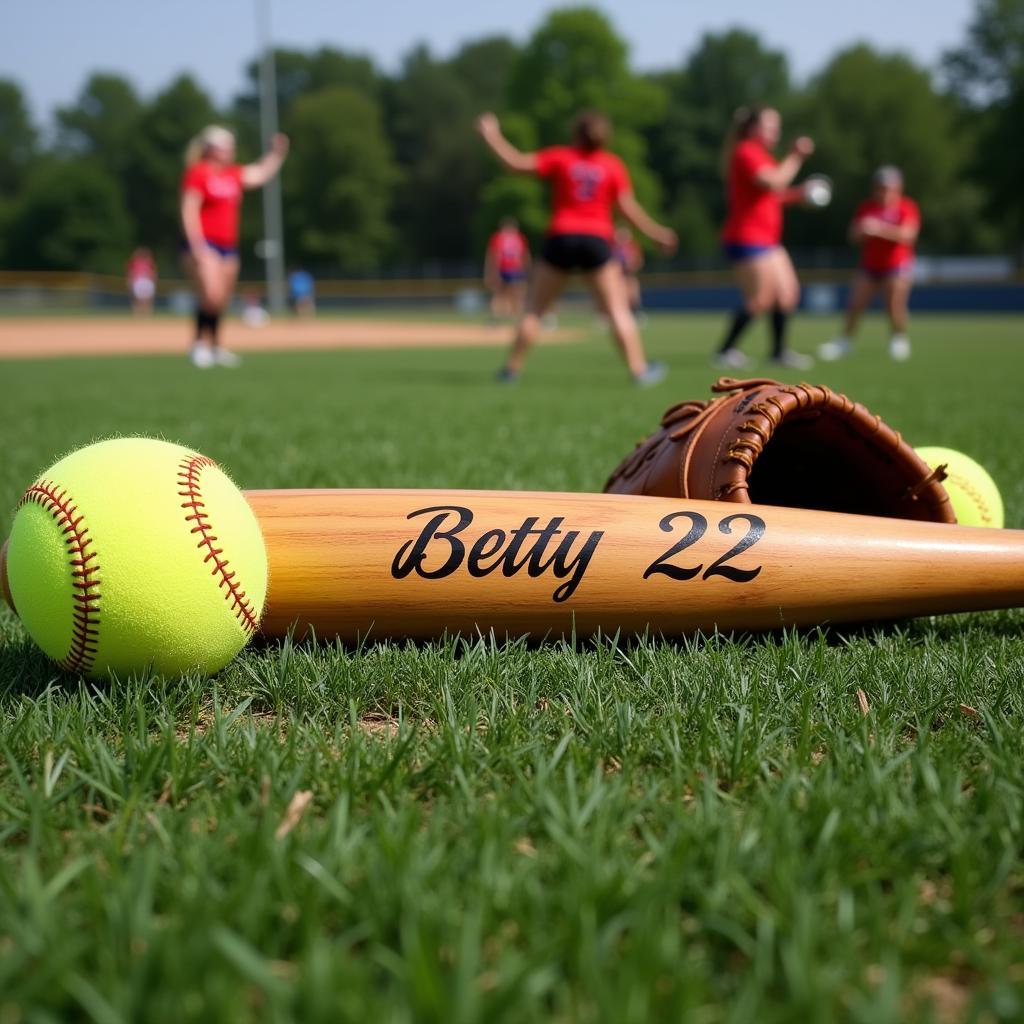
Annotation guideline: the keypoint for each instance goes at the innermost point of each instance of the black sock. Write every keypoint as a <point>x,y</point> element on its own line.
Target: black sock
<point>780,318</point>
<point>204,324</point>
<point>214,321</point>
<point>739,325</point>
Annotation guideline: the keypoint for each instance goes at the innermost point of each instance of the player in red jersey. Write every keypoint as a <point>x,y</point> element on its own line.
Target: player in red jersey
<point>506,267</point>
<point>757,188</point>
<point>211,196</point>
<point>588,185</point>
<point>885,226</point>
<point>140,270</point>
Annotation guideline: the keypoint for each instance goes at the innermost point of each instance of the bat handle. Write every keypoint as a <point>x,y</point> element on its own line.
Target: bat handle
<point>5,587</point>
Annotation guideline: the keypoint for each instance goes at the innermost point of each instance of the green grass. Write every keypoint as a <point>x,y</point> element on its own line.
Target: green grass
<point>709,830</point>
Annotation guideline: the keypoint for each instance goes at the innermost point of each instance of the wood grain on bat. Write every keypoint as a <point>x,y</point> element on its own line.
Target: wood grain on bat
<point>415,563</point>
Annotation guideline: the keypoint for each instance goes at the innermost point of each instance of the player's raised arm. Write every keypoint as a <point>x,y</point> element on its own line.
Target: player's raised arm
<point>779,177</point>
<point>640,219</point>
<point>489,129</point>
<point>257,174</point>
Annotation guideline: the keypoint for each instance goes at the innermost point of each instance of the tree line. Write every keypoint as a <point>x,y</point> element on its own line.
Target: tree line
<point>386,174</point>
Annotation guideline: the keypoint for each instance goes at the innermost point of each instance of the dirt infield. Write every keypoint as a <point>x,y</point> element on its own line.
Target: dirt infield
<point>51,337</point>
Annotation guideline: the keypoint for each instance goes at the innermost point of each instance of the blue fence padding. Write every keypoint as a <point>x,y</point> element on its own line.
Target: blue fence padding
<point>816,298</point>
<point>938,298</point>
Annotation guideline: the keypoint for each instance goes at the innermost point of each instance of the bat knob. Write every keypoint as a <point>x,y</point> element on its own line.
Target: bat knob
<point>5,587</point>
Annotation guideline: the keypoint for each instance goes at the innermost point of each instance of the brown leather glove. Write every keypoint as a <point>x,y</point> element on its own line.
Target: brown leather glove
<point>800,445</point>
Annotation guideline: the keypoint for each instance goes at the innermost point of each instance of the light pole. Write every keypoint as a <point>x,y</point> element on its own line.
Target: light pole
<point>272,249</point>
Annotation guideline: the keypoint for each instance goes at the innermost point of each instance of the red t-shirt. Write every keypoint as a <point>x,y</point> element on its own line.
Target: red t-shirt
<point>584,188</point>
<point>221,189</point>
<point>879,254</point>
<point>755,212</point>
<point>509,249</point>
<point>141,267</point>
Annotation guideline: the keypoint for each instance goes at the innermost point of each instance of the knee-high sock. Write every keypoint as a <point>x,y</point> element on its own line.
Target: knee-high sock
<point>780,320</point>
<point>739,324</point>
<point>203,325</point>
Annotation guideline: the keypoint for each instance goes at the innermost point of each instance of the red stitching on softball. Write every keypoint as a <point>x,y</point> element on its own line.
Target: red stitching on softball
<point>84,570</point>
<point>188,477</point>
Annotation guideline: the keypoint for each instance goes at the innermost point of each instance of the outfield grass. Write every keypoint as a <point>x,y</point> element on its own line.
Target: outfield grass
<point>800,827</point>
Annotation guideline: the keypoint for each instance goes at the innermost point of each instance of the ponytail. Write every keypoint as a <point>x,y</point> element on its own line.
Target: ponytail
<point>743,121</point>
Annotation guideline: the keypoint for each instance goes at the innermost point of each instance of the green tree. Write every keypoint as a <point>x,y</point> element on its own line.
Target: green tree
<point>484,67</point>
<point>102,122</point>
<point>17,137</point>
<point>297,74</point>
<point>866,109</point>
<point>990,64</point>
<point>576,60</point>
<point>339,181</point>
<point>444,167</point>
<point>986,77</point>
<point>70,216</point>
<point>17,154</point>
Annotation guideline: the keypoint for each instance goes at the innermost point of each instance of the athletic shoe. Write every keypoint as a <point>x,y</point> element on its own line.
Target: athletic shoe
<point>835,349</point>
<point>730,359</point>
<point>792,360</point>
<point>654,374</point>
<point>225,357</point>
<point>201,355</point>
<point>506,376</point>
<point>899,348</point>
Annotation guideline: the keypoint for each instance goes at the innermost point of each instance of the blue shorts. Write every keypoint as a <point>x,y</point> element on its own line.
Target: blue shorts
<point>512,276</point>
<point>740,252</point>
<point>221,250</point>
<point>903,270</point>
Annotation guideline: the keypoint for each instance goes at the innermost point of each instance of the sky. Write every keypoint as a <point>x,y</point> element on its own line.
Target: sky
<point>50,46</point>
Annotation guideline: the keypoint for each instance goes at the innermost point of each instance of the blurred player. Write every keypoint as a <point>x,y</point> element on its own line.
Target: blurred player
<point>140,270</point>
<point>757,187</point>
<point>301,293</point>
<point>630,257</point>
<point>211,195</point>
<point>506,267</point>
<point>885,226</point>
<point>254,313</point>
<point>588,184</point>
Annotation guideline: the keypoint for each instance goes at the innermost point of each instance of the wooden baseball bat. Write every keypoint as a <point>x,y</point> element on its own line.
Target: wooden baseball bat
<point>415,563</point>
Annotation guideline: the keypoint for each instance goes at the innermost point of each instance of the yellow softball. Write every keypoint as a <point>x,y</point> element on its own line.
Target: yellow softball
<point>132,554</point>
<point>976,499</point>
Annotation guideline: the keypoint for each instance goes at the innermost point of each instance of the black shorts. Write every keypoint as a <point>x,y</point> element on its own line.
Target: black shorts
<point>576,252</point>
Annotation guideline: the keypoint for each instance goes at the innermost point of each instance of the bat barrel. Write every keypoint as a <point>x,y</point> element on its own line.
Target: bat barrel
<point>419,563</point>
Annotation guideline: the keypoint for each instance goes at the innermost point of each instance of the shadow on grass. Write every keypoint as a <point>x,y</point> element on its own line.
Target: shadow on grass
<point>26,672</point>
<point>1007,624</point>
